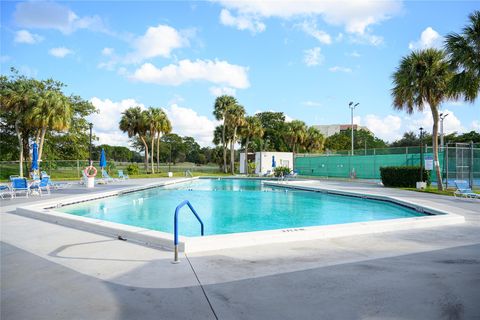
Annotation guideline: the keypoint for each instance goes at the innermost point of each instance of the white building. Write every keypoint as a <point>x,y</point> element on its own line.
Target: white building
<point>330,129</point>
<point>265,161</point>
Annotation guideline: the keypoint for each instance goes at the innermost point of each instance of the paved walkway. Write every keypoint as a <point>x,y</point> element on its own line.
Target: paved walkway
<point>54,272</point>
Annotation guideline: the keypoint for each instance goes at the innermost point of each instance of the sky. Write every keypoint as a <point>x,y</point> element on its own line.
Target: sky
<point>306,59</point>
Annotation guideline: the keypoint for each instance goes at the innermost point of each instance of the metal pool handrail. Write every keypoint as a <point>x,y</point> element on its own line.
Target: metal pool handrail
<point>175,225</point>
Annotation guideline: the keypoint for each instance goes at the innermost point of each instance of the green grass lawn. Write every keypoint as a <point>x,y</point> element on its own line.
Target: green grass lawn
<point>434,190</point>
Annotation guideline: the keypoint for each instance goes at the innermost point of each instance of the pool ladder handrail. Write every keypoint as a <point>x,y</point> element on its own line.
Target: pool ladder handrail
<point>175,226</point>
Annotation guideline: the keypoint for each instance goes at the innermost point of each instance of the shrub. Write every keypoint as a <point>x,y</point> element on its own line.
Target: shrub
<point>402,176</point>
<point>132,169</point>
<point>281,171</point>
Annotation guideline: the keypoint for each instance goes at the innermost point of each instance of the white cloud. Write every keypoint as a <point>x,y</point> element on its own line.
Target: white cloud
<point>187,122</point>
<point>217,71</point>
<point>241,22</point>
<point>24,36</point>
<point>4,59</point>
<point>51,15</point>
<point>475,125</point>
<point>355,16</point>
<point>428,39</point>
<point>60,52</point>
<point>313,57</point>
<point>107,51</point>
<point>354,54</point>
<point>450,124</point>
<point>309,103</point>
<point>340,69</point>
<point>157,41</point>
<point>387,128</point>
<point>105,123</point>
<point>219,91</point>
<point>310,28</point>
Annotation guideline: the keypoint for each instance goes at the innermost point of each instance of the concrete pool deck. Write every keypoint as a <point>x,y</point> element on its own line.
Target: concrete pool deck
<point>53,272</point>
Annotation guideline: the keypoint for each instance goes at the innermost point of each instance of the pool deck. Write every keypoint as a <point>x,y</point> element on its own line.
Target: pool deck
<point>50,271</point>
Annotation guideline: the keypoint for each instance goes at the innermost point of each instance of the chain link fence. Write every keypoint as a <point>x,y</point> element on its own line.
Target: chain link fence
<point>72,169</point>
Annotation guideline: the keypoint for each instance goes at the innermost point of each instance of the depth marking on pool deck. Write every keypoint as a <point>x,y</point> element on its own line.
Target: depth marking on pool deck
<point>234,240</point>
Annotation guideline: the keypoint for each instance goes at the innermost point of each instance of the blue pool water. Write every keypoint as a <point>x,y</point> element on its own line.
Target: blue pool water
<point>235,205</point>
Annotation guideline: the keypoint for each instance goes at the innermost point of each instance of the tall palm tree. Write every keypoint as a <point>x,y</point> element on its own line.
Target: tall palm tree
<point>222,103</point>
<point>296,134</point>
<point>251,129</point>
<point>165,128</point>
<point>314,140</point>
<point>234,118</point>
<point>423,78</point>
<point>134,122</point>
<point>464,56</point>
<point>52,110</point>
<point>154,116</point>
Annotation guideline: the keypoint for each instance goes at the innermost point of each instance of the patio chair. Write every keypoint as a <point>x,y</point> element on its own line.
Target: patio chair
<point>20,185</point>
<point>106,177</point>
<point>13,177</point>
<point>122,176</point>
<point>41,185</point>
<point>464,190</point>
<point>292,175</point>
<point>52,184</point>
<point>5,190</point>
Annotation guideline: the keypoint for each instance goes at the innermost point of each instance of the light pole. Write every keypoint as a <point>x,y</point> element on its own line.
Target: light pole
<point>352,107</point>
<point>90,146</point>
<point>421,153</point>
<point>442,116</point>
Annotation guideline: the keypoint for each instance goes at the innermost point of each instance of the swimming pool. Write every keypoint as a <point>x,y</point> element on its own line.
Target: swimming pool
<point>235,206</point>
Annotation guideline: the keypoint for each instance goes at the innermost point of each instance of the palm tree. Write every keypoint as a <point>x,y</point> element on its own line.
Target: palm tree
<point>222,103</point>
<point>296,134</point>
<point>164,128</point>
<point>51,110</point>
<point>464,56</point>
<point>234,118</point>
<point>251,129</point>
<point>134,122</point>
<point>314,140</point>
<point>423,78</point>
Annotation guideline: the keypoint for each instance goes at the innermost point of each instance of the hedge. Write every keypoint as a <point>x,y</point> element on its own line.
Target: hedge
<point>403,176</point>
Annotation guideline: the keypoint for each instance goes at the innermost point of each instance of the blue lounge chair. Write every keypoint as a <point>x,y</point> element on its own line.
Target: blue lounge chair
<point>41,185</point>
<point>54,185</point>
<point>5,190</point>
<point>122,175</point>
<point>20,185</point>
<point>464,190</point>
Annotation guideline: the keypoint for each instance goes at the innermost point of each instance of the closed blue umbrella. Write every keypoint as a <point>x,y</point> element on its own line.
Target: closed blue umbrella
<point>103,159</point>
<point>274,163</point>
<point>34,157</point>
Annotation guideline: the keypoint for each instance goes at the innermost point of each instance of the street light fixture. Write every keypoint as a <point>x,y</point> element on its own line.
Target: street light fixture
<point>352,106</point>
<point>421,153</point>
<point>90,146</point>
<point>442,116</point>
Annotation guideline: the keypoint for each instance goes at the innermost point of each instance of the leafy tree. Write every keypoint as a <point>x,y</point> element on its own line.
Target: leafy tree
<point>222,103</point>
<point>362,138</point>
<point>423,77</point>
<point>192,149</point>
<point>252,129</point>
<point>464,56</point>
<point>134,122</point>
<point>274,126</point>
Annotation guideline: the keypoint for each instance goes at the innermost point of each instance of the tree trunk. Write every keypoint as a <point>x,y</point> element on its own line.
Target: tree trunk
<point>158,151</point>
<point>20,144</point>
<point>435,147</point>
<point>232,152</point>
<point>146,153</point>
<point>40,146</point>
<point>224,146</point>
<point>151,156</point>
<point>246,155</point>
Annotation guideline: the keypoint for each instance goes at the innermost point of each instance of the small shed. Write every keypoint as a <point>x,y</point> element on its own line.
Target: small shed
<point>265,161</point>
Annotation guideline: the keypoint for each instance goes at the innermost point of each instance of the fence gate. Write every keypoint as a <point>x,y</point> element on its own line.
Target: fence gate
<point>460,163</point>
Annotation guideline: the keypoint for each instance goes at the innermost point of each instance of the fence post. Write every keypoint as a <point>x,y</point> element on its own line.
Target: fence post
<point>78,168</point>
<point>446,167</point>
<point>471,165</point>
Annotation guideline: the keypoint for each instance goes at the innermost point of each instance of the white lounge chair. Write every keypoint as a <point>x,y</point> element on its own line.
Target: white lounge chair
<point>464,190</point>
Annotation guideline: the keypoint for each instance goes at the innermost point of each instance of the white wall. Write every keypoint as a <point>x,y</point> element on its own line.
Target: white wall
<point>242,162</point>
<point>263,161</point>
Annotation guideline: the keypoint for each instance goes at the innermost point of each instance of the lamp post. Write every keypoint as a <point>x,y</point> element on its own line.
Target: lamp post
<point>421,153</point>
<point>442,116</point>
<point>170,162</point>
<point>90,146</point>
<point>352,107</point>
